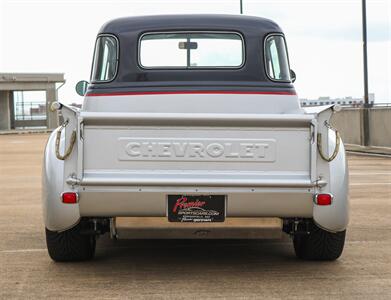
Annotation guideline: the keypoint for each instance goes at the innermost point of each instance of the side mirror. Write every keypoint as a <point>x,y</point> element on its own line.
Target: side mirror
<point>81,87</point>
<point>293,75</point>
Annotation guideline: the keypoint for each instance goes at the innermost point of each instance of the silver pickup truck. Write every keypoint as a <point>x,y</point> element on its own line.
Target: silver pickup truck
<point>191,128</point>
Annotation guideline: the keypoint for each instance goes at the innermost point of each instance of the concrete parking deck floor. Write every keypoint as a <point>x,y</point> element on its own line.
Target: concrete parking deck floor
<point>189,269</point>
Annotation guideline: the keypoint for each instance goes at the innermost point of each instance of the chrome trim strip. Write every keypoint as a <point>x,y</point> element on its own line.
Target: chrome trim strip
<point>199,182</point>
<point>199,119</point>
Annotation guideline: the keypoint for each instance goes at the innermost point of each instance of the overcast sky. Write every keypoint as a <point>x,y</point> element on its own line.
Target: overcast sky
<point>324,38</point>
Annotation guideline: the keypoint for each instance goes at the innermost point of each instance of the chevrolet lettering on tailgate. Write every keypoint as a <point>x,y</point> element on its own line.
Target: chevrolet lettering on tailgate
<point>196,149</point>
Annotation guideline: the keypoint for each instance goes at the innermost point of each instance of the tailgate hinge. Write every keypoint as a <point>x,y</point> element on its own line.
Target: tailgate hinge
<point>73,180</point>
<point>320,182</point>
<point>81,130</point>
<point>312,132</point>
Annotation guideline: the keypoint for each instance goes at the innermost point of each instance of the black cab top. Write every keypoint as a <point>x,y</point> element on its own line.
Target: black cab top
<point>166,52</point>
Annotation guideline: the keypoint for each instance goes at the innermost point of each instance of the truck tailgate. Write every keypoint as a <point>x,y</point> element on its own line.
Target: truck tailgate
<point>153,149</point>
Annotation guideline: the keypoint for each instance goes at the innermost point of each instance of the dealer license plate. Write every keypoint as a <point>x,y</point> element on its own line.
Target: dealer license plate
<point>200,208</point>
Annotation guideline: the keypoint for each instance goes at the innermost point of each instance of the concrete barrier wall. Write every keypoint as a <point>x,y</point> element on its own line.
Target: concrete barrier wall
<point>380,127</point>
<point>349,124</point>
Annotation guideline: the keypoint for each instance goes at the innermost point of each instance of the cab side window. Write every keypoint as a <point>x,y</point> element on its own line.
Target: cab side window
<point>276,58</point>
<point>105,59</point>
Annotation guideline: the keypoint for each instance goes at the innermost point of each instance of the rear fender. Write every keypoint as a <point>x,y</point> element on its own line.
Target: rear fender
<point>334,217</point>
<point>57,215</point>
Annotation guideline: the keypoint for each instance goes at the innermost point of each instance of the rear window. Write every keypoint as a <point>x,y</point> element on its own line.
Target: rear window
<point>191,50</point>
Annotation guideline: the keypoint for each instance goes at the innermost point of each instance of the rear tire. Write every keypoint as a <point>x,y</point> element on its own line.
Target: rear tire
<point>70,245</point>
<point>319,244</point>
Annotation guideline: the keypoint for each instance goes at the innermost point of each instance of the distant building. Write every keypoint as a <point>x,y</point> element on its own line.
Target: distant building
<point>346,101</point>
<point>17,112</point>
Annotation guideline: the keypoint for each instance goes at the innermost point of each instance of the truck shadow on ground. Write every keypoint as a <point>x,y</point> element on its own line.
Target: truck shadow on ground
<point>195,252</point>
<point>194,267</point>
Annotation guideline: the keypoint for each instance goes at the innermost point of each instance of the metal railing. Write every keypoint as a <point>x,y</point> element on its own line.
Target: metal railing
<point>30,111</point>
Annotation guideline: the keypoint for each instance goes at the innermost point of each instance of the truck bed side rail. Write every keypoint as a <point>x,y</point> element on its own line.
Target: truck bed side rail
<point>199,119</point>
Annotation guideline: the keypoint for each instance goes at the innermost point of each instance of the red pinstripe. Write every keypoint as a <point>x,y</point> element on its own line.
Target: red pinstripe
<point>192,92</point>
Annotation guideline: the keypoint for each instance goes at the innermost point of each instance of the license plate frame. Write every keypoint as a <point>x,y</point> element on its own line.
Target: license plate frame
<point>196,208</point>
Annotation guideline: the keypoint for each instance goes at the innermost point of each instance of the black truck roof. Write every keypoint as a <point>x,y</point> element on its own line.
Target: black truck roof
<point>130,75</point>
<point>245,24</point>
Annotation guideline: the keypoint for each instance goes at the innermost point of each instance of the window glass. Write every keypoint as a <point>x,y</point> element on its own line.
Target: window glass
<point>191,50</point>
<point>105,59</point>
<point>276,58</point>
<point>161,52</point>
